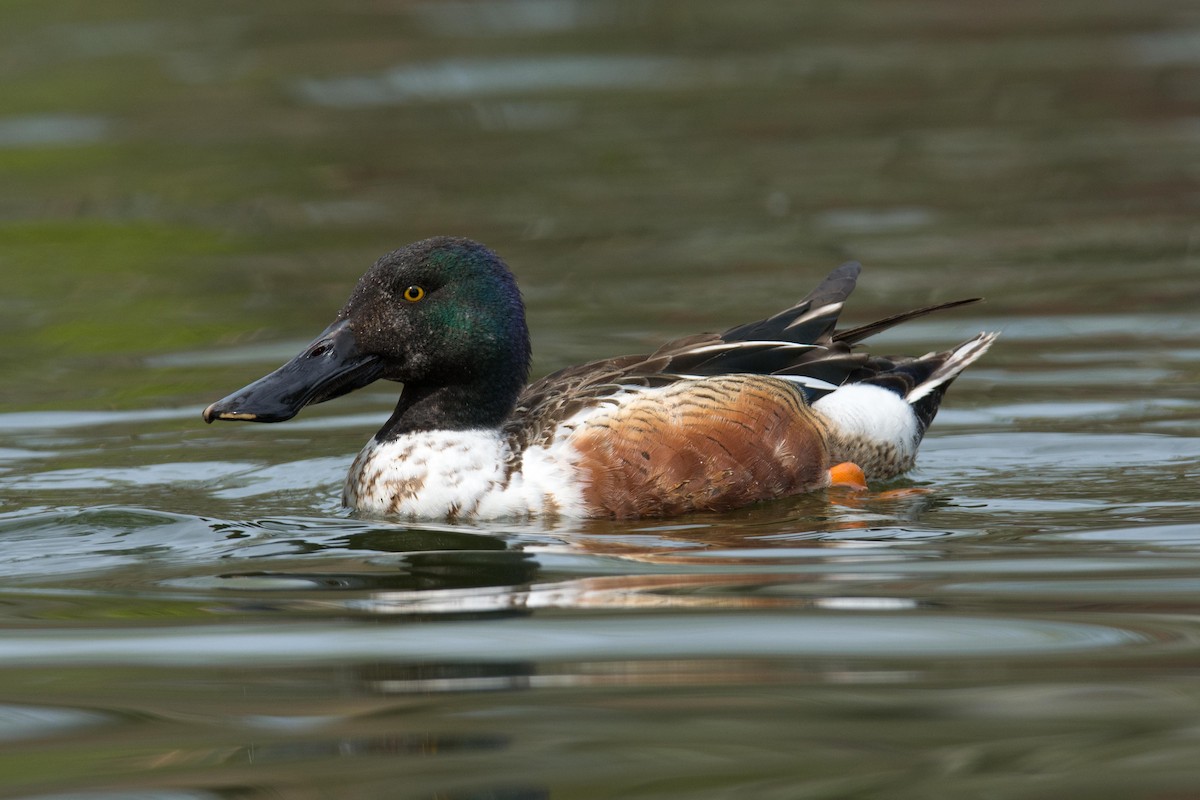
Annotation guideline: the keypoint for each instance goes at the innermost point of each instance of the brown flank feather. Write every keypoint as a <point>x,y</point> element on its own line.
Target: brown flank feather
<point>706,444</point>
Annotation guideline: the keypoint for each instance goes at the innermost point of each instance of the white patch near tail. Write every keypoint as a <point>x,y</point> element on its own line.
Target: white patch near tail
<point>878,429</point>
<point>873,417</point>
<point>960,359</point>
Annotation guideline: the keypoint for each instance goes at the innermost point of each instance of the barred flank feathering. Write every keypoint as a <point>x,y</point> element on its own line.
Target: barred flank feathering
<point>701,445</point>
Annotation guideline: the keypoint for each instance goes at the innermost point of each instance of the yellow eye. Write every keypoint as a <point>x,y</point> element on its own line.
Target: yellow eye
<point>413,294</point>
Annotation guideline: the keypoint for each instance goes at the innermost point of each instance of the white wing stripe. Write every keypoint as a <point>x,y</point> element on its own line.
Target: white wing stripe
<point>764,344</point>
<point>813,313</point>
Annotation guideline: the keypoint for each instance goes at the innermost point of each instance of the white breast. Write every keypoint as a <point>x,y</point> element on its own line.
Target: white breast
<point>468,474</point>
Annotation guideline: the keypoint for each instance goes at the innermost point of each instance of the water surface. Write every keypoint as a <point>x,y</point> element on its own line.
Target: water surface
<point>187,196</point>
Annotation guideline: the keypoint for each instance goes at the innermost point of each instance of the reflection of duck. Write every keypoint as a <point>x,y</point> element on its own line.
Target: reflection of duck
<point>706,422</point>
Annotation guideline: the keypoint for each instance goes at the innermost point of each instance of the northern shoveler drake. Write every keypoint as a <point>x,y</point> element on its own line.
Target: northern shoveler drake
<point>704,423</point>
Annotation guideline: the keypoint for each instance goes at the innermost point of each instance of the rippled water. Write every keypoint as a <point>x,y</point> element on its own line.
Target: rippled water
<point>186,198</point>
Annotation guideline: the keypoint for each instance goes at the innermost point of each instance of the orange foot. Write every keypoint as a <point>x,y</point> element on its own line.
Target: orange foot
<point>848,475</point>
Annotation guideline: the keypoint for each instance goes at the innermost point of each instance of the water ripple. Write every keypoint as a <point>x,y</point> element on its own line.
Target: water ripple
<point>34,722</point>
<point>603,638</point>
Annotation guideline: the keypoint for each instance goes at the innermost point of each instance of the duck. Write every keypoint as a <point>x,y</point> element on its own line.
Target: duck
<point>705,423</point>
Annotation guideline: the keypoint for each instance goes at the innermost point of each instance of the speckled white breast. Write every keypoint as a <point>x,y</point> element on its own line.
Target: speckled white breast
<point>462,474</point>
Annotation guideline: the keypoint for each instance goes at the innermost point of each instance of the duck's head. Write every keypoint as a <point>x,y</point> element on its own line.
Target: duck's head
<point>443,316</point>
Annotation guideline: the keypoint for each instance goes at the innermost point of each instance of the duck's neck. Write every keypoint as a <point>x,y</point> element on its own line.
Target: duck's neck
<point>473,386</point>
<point>456,407</point>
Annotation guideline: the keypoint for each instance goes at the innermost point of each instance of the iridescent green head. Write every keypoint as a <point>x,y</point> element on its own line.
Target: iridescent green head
<point>443,316</point>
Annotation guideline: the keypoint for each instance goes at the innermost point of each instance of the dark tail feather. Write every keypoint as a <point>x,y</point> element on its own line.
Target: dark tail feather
<point>927,407</point>
<point>809,319</point>
<point>856,335</point>
<point>926,379</point>
<point>836,287</point>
